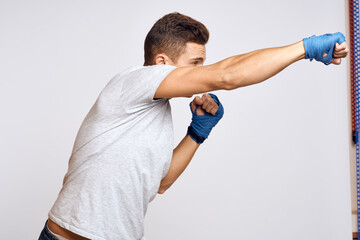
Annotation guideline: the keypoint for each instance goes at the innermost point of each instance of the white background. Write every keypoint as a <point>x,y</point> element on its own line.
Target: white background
<point>276,166</point>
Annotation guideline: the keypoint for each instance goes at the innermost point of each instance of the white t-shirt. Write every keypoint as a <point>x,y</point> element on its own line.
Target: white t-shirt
<point>122,151</point>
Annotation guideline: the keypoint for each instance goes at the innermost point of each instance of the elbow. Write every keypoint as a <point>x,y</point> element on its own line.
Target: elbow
<point>227,79</point>
<point>231,74</point>
<point>162,189</point>
<point>226,82</point>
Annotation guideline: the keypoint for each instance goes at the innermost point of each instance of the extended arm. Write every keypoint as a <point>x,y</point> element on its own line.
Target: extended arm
<point>237,71</point>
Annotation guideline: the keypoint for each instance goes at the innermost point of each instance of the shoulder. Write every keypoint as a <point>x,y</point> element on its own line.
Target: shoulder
<point>138,84</point>
<point>140,76</point>
<point>153,69</point>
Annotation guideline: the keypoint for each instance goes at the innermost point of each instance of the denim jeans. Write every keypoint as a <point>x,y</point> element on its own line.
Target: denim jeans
<point>46,234</point>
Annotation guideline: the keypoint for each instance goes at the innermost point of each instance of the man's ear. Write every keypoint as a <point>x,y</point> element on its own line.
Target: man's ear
<point>162,59</point>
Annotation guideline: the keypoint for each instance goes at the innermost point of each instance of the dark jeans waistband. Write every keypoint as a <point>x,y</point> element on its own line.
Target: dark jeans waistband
<point>46,234</point>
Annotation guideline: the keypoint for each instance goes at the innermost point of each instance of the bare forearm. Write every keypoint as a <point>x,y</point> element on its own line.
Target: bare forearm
<point>257,66</point>
<point>182,156</point>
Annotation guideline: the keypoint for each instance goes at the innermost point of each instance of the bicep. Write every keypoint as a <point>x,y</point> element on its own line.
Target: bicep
<point>187,81</point>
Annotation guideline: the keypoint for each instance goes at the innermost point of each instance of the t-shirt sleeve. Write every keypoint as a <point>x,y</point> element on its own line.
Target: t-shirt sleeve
<point>140,85</point>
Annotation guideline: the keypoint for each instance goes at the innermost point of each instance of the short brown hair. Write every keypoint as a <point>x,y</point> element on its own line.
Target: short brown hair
<point>170,34</point>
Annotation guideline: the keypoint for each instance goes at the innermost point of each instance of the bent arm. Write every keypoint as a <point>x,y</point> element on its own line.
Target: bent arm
<point>231,73</point>
<point>186,149</point>
<point>181,158</point>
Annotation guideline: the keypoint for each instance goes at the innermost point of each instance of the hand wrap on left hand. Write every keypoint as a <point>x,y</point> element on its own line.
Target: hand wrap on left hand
<point>316,46</point>
<point>201,126</point>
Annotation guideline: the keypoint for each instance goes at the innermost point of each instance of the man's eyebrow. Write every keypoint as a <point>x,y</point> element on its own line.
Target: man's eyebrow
<point>198,58</point>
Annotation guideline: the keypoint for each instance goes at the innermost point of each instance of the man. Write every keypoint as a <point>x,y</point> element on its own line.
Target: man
<point>123,155</point>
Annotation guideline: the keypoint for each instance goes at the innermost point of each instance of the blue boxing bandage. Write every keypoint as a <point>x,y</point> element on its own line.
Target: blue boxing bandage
<point>316,46</point>
<point>201,126</point>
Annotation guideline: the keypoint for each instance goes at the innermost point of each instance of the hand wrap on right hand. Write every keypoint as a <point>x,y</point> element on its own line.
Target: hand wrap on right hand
<point>201,126</point>
<point>316,46</point>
